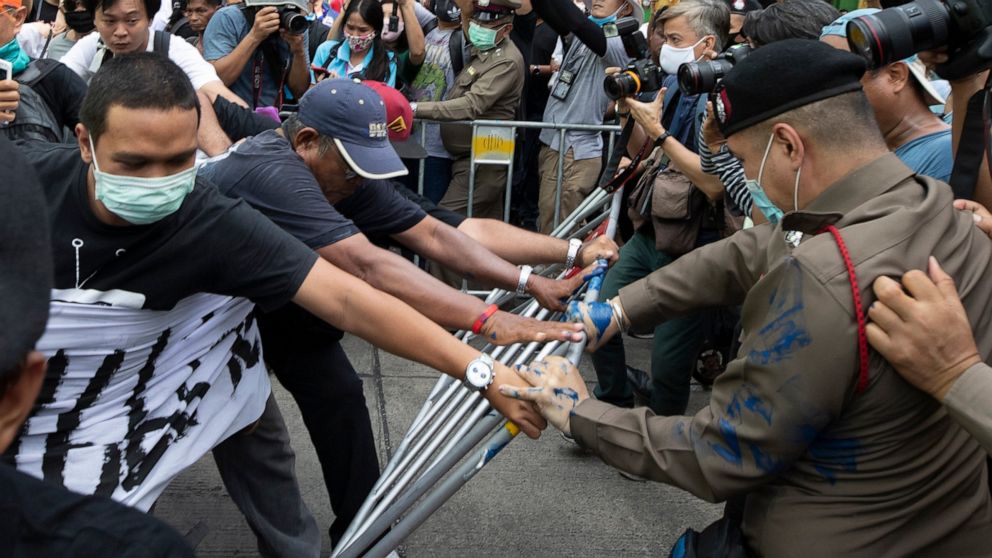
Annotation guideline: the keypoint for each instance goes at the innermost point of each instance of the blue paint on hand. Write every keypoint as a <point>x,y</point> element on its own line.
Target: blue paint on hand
<point>597,315</point>
<point>567,392</point>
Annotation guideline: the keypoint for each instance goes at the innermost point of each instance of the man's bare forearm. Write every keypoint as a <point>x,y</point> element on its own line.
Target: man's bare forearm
<point>391,273</point>
<point>513,244</point>
<point>229,67</point>
<point>356,307</point>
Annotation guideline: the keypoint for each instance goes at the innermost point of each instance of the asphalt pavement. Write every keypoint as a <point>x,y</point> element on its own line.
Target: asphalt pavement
<point>538,498</point>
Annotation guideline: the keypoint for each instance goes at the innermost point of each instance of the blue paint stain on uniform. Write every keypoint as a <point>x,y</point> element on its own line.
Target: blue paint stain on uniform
<point>730,450</point>
<point>745,399</point>
<point>786,332</point>
<point>765,463</point>
<point>831,455</point>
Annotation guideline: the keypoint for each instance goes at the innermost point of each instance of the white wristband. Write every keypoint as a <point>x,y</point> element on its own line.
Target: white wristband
<point>574,246</point>
<point>525,271</point>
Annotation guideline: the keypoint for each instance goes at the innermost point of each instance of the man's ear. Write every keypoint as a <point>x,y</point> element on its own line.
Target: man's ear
<point>788,137</point>
<point>304,140</point>
<point>83,140</point>
<point>19,397</point>
<point>20,15</point>
<point>898,76</point>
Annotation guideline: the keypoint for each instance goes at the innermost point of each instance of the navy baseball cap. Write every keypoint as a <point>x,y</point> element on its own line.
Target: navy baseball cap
<point>355,117</point>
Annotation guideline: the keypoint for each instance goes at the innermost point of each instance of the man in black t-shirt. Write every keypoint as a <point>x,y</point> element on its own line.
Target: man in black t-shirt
<point>296,192</point>
<point>154,355</point>
<point>41,520</point>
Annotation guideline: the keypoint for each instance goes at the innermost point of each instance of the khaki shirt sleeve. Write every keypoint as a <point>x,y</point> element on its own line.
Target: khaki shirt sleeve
<point>491,85</point>
<point>727,268</point>
<point>969,402</point>
<point>796,369</point>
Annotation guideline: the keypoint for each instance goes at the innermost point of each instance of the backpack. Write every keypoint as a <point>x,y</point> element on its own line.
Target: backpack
<point>35,119</point>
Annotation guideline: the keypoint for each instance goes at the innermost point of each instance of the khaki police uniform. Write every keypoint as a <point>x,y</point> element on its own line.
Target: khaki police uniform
<point>488,88</point>
<point>827,471</point>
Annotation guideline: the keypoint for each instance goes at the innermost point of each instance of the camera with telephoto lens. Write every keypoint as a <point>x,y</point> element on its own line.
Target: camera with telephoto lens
<point>292,20</point>
<point>702,77</point>
<point>641,75</point>
<point>893,34</point>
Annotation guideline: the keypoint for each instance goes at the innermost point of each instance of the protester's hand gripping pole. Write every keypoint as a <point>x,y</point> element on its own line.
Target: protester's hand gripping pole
<point>450,406</point>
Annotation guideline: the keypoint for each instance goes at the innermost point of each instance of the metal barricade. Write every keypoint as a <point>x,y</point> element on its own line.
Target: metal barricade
<point>494,143</point>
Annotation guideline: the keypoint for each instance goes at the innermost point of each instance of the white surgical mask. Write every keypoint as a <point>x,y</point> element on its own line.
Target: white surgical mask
<point>672,57</point>
<point>142,201</point>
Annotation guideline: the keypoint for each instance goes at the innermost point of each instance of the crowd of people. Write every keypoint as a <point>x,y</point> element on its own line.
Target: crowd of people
<point>202,193</point>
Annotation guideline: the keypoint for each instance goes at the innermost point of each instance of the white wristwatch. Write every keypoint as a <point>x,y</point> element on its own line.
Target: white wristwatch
<point>480,373</point>
<point>574,246</point>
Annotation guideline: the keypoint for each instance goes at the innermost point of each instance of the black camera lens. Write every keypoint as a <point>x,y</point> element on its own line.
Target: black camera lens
<point>900,32</point>
<point>624,84</point>
<point>701,77</point>
<point>293,22</point>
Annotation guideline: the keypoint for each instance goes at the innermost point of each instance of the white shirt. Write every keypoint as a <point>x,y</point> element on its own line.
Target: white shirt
<point>84,60</point>
<point>32,38</point>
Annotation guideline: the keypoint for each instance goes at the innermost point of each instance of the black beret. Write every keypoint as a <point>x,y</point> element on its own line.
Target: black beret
<point>782,76</point>
<point>25,260</point>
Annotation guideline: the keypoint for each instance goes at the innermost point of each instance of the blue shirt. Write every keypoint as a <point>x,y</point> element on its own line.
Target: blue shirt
<point>227,28</point>
<point>930,155</point>
<point>339,66</point>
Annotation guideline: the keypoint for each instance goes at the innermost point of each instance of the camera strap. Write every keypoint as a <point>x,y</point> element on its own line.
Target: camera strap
<point>270,55</point>
<point>973,144</point>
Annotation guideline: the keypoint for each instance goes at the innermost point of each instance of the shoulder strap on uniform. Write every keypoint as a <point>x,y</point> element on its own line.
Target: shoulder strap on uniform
<point>161,43</point>
<point>36,71</point>
<point>455,51</point>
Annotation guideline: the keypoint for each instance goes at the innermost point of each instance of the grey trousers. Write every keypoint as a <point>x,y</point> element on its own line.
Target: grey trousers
<point>258,468</point>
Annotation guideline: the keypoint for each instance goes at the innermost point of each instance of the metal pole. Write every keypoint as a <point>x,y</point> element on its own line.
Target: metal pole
<point>561,174</point>
<point>509,182</point>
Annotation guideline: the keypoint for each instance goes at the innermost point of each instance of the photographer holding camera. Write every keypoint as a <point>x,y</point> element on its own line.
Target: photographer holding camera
<point>691,28</point>
<point>901,94</point>
<point>260,48</point>
<point>577,97</point>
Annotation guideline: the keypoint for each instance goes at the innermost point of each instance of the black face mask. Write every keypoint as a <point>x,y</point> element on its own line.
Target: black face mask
<point>80,22</point>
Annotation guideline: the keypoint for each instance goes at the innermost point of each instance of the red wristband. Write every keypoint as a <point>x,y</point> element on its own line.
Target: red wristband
<point>481,321</point>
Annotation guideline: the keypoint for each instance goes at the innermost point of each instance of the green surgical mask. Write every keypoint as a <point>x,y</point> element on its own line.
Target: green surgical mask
<point>142,201</point>
<point>483,38</point>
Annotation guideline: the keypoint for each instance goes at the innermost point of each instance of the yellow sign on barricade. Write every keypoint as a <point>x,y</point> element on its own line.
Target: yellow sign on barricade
<point>493,145</point>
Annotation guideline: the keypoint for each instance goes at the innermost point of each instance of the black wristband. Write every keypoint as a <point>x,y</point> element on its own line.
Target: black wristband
<point>661,139</point>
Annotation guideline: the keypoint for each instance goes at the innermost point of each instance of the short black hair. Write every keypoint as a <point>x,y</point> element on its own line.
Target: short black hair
<point>151,6</point>
<point>791,19</point>
<point>819,121</point>
<point>136,81</point>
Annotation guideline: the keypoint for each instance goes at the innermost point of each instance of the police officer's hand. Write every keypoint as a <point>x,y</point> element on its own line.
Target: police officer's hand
<point>923,331</point>
<point>10,97</point>
<point>504,328</point>
<point>521,413</point>
<point>648,115</point>
<point>557,389</point>
<point>597,320</point>
<point>266,23</point>
<point>983,219</point>
<point>599,248</point>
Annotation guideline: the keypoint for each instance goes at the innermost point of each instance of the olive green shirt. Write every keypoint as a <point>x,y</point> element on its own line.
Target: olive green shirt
<point>489,87</point>
<point>827,471</point>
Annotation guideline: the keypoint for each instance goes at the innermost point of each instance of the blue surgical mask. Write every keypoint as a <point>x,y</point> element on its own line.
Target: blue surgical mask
<point>12,52</point>
<point>142,201</point>
<point>601,21</point>
<point>758,196</point>
<point>483,38</point>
